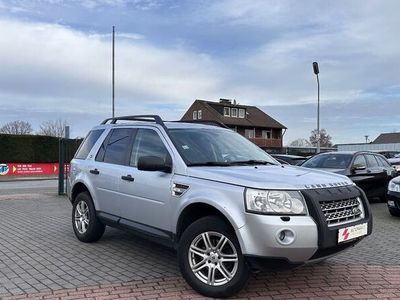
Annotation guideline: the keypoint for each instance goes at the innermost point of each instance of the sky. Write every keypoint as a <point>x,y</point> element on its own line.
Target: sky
<point>55,61</point>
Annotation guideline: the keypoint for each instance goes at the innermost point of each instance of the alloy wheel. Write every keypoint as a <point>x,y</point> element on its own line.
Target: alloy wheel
<point>213,258</point>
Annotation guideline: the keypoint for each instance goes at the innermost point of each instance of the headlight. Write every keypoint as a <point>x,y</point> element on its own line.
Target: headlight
<point>275,202</point>
<point>394,186</point>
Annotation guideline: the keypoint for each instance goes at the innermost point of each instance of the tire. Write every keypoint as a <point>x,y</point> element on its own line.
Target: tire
<point>208,260</point>
<point>86,226</point>
<point>394,212</point>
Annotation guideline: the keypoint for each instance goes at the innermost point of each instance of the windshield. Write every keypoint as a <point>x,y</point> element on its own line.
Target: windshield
<point>217,147</point>
<point>329,161</point>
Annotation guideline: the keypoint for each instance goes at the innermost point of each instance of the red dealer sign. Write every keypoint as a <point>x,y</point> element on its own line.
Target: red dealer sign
<point>24,169</point>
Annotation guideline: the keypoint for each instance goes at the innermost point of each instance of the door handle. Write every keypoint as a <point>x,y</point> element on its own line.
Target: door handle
<point>128,178</point>
<point>368,171</point>
<point>94,171</point>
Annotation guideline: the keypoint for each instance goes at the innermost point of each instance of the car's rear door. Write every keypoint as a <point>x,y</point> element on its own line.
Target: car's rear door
<point>378,174</point>
<point>108,168</point>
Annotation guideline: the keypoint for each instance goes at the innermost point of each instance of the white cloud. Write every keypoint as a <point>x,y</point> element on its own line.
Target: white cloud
<point>48,62</point>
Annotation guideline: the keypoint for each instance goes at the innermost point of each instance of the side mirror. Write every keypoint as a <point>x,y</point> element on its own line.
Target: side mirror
<point>153,163</point>
<point>358,167</point>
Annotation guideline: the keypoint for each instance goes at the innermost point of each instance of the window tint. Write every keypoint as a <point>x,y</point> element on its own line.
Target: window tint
<point>88,143</point>
<point>148,143</point>
<point>360,161</point>
<point>117,146</point>
<point>382,162</point>
<point>330,161</point>
<point>372,162</point>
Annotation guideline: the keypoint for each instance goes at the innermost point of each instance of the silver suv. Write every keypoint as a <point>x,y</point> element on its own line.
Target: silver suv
<point>222,202</point>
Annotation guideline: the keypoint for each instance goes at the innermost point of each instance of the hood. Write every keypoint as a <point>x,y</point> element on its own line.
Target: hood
<point>270,177</point>
<point>394,161</point>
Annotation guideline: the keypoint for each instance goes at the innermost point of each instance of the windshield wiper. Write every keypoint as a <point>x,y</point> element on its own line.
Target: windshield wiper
<point>210,163</point>
<point>252,162</point>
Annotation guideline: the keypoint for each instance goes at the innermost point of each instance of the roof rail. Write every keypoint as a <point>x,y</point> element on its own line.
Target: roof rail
<point>209,122</point>
<point>144,118</point>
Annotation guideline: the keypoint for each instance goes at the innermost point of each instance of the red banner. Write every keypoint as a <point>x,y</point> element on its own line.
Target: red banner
<point>26,169</point>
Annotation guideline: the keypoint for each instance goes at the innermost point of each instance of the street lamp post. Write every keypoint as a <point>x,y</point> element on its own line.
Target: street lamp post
<point>316,72</point>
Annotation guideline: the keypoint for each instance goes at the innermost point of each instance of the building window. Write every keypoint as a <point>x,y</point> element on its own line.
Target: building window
<point>195,115</point>
<point>227,112</point>
<point>250,133</point>
<point>199,114</point>
<point>241,113</point>
<point>234,112</point>
<point>267,134</point>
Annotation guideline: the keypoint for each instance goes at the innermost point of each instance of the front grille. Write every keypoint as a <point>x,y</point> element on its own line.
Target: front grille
<point>337,212</point>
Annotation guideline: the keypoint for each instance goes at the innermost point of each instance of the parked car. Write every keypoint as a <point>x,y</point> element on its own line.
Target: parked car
<point>395,162</point>
<point>290,159</point>
<point>394,197</point>
<point>226,205</point>
<point>369,170</point>
<point>388,153</point>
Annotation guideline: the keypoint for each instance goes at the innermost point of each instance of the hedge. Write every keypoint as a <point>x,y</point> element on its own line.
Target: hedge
<point>34,148</point>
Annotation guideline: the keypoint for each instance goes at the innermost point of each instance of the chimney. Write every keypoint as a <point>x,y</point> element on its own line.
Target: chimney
<point>225,101</point>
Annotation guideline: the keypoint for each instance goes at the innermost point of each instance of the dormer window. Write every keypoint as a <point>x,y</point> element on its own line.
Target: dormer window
<point>195,115</point>
<point>199,115</point>
<point>227,112</point>
<point>234,112</point>
<point>242,113</point>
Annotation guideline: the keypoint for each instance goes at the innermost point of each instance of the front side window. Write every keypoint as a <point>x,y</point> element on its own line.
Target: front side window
<point>148,143</point>
<point>329,161</point>
<point>195,115</point>
<point>360,161</point>
<point>117,147</point>
<point>227,112</point>
<point>216,146</point>
<point>88,143</point>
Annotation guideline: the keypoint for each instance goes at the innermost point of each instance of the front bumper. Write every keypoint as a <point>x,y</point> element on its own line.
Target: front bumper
<point>313,239</point>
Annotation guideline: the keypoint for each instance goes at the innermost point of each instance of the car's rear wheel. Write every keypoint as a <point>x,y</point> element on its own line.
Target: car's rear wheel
<point>210,258</point>
<point>86,226</point>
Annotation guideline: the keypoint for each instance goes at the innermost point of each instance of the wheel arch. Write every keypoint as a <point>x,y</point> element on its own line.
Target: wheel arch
<point>78,188</point>
<point>195,211</point>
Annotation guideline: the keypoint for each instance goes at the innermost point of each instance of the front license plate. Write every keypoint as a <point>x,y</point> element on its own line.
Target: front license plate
<point>352,232</point>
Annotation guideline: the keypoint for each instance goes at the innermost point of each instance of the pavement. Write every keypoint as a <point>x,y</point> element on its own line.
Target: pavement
<point>40,258</point>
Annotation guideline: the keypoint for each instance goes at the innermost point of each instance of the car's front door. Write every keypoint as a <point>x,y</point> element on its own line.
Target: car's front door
<point>146,197</point>
<point>358,173</point>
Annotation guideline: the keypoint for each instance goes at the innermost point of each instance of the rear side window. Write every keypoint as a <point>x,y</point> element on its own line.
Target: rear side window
<point>88,143</point>
<point>372,162</point>
<point>382,162</point>
<point>117,146</point>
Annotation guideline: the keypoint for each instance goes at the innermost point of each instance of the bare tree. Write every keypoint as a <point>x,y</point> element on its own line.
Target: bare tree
<point>17,127</point>
<point>300,143</point>
<point>325,138</point>
<point>53,128</point>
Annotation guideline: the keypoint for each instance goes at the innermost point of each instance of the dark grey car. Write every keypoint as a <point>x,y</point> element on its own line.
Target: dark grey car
<point>368,170</point>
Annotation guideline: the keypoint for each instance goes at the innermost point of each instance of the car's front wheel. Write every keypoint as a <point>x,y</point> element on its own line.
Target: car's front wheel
<point>394,212</point>
<point>86,226</point>
<point>210,258</point>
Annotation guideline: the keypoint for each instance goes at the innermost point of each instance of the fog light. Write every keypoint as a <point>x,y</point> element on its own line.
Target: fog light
<point>285,237</point>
